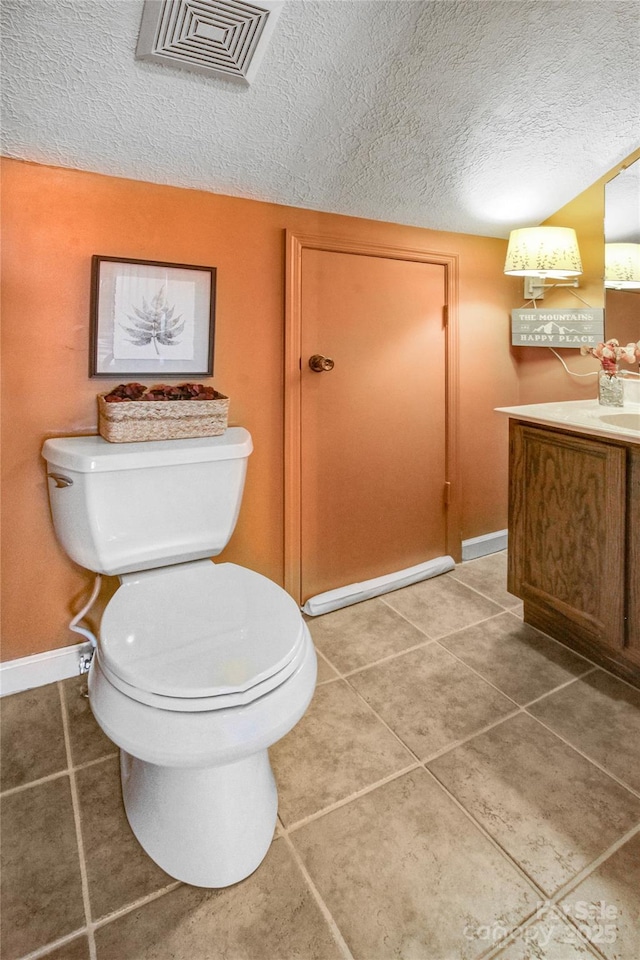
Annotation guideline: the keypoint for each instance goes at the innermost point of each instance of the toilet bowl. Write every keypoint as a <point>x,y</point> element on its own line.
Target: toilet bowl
<point>194,718</point>
<point>200,667</point>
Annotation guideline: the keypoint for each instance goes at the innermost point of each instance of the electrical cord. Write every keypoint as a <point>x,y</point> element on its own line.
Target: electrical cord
<point>592,373</point>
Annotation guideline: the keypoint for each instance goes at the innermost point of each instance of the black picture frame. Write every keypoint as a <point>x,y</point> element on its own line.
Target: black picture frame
<point>151,319</point>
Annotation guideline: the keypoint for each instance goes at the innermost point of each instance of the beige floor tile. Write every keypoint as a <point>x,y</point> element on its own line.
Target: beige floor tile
<point>441,605</point>
<point>31,736</point>
<point>600,715</point>
<point>550,937</point>
<point>610,898</point>
<point>488,575</point>
<point>552,811</point>
<point>517,658</point>
<point>430,699</point>
<point>406,874</point>
<point>77,949</point>
<point>41,887</point>
<point>325,670</point>
<point>338,748</point>
<point>118,869</point>
<point>361,634</point>
<point>271,915</point>
<point>87,740</point>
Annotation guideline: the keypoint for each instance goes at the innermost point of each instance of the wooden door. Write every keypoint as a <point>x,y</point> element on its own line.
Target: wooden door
<point>373,453</point>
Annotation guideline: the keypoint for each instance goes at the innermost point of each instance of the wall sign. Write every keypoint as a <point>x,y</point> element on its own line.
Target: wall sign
<point>566,327</point>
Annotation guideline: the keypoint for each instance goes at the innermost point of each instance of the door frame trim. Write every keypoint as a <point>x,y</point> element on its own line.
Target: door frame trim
<point>295,245</point>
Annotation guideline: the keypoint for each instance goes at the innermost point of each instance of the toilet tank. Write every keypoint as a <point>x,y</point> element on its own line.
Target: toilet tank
<point>121,507</point>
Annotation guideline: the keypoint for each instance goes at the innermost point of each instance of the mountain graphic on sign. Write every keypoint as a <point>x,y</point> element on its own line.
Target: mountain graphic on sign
<point>557,328</point>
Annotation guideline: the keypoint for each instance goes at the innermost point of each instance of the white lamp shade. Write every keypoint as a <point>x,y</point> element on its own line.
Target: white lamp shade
<point>622,266</point>
<point>543,252</point>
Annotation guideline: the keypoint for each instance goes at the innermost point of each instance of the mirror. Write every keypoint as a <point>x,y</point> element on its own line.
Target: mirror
<point>622,225</point>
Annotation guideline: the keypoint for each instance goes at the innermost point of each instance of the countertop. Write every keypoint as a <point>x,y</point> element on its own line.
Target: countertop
<point>583,416</point>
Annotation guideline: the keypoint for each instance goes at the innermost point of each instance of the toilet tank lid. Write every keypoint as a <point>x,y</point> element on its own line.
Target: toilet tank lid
<point>95,455</point>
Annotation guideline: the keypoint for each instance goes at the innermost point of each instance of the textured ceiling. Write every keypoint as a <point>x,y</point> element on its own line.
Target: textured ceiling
<point>474,116</point>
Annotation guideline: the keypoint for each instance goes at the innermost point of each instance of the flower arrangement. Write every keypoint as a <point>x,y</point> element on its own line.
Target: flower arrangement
<point>611,353</point>
<point>137,391</point>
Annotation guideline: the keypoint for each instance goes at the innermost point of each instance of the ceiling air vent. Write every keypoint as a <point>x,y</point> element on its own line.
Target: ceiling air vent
<point>215,37</point>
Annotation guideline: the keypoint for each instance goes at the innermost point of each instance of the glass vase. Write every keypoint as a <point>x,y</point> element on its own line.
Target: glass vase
<point>610,388</point>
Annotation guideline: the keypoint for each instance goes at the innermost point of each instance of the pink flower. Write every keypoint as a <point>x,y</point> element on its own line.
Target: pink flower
<point>611,353</point>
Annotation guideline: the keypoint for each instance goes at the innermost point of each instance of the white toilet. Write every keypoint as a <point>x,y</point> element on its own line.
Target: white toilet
<point>200,667</point>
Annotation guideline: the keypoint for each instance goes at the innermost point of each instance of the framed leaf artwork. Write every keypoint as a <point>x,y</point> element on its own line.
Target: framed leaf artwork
<point>150,318</point>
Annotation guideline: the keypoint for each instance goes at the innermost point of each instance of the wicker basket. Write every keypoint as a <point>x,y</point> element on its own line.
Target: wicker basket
<point>162,419</point>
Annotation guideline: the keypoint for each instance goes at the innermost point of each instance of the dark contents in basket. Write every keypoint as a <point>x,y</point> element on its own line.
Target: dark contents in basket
<point>183,391</point>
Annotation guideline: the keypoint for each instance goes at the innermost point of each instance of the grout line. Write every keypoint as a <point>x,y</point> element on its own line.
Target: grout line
<point>485,596</point>
<point>494,843</point>
<point>58,774</point>
<point>402,615</point>
<point>298,824</point>
<point>585,756</point>
<point>333,926</point>
<point>552,903</point>
<point>481,676</point>
<point>141,902</point>
<point>472,736</point>
<point>35,783</point>
<point>374,663</point>
<point>467,626</point>
<point>557,642</point>
<point>94,763</point>
<point>566,646</point>
<point>570,884</point>
<point>615,676</point>
<point>391,656</point>
<point>323,683</point>
<point>546,899</point>
<point>384,723</point>
<point>489,683</point>
<point>452,574</point>
<point>54,945</point>
<point>322,655</point>
<point>590,868</point>
<point>541,914</point>
<point>518,708</point>
<point>75,800</point>
<point>562,686</point>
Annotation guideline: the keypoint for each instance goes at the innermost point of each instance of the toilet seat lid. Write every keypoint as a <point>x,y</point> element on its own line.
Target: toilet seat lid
<point>199,629</point>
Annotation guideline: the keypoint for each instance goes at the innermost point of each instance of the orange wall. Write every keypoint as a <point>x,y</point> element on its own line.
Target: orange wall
<point>55,219</point>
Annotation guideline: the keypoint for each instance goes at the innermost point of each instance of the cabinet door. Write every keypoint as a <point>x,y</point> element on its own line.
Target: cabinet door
<point>632,649</point>
<point>567,529</point>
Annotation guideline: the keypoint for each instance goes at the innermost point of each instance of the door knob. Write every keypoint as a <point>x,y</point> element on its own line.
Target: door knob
<point>320,364</point>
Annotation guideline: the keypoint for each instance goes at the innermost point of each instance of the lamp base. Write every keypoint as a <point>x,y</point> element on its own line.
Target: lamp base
<point>534,287</point>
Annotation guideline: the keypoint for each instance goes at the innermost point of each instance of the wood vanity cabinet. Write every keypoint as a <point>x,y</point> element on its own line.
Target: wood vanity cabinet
<point>574,540</point>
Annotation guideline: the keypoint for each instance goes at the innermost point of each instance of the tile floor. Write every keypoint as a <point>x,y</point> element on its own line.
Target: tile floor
<point>461,787</point>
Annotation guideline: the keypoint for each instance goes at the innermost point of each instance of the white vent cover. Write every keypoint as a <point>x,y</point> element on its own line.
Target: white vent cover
<point>215,37</point>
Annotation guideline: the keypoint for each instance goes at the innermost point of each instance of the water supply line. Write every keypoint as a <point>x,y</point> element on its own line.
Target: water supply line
<point>86,658</point>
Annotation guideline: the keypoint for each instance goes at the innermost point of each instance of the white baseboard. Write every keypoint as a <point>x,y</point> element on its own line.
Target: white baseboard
<point>41,668</point>
<point>483,546</point>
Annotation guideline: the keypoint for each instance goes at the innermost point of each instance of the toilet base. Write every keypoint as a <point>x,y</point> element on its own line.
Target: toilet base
<point>210,826</point>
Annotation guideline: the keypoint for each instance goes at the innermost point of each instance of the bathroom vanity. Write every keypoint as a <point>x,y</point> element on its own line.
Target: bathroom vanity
<point>574,526</point>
